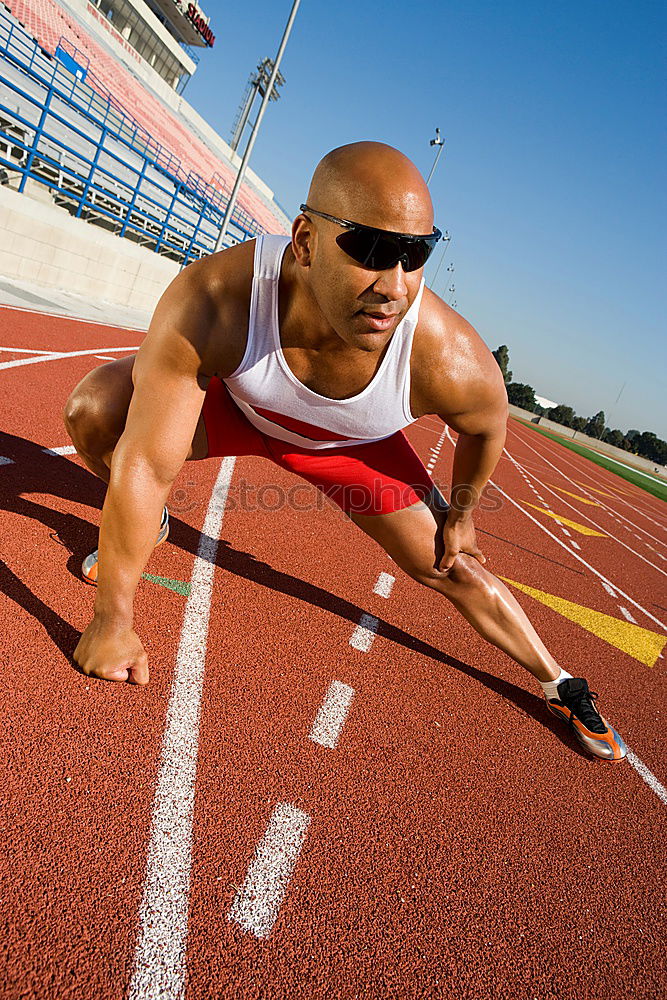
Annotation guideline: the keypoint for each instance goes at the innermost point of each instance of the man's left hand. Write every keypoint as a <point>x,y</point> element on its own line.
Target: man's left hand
<point>458,535</point>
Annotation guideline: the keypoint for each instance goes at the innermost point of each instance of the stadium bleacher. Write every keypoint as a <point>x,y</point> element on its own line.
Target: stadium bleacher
<point>49,23</point>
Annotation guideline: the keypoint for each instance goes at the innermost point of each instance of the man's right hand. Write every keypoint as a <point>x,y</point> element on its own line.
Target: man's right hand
<point>112,652</point>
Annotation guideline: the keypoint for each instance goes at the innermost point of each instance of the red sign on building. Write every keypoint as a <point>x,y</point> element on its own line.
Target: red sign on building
<point>200,24</point>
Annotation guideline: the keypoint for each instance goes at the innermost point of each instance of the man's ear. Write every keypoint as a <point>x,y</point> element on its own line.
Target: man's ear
<point>303,236</point>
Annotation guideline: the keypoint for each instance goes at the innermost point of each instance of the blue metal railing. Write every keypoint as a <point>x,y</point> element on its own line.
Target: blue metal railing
<point>98,160</point>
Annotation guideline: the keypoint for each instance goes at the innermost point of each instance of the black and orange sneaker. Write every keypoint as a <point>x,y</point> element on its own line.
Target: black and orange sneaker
<point>89,564</point>
<point>575,705</point>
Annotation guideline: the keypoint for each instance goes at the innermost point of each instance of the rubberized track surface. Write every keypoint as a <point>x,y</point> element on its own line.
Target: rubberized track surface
<point>434,834</point>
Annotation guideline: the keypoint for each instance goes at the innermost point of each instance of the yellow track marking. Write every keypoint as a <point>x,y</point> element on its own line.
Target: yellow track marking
<point>602,493</point>
<point>639,643</point>
<point>591,503</point>
<point>581,528</point>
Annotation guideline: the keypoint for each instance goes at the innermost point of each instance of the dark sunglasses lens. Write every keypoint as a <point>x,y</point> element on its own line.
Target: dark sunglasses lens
<point>379,252</point>
<point>359,244</point>
<point>419,252</point>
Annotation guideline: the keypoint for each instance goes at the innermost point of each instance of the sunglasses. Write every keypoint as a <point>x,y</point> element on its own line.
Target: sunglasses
<point>380,249</point>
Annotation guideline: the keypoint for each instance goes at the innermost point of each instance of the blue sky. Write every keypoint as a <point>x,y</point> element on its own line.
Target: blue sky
<point>552,181</point>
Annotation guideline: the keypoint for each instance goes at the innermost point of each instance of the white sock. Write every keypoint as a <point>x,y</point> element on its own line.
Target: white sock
<point>550,688</point>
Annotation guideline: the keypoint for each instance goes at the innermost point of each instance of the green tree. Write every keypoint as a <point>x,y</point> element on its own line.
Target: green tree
<point>579,424</point>
<point>502,356</point>
<point>521,395</point>
<point>595,425</point>
<point>615,437</point>
<point>650,446</point>
<point>562,415</point>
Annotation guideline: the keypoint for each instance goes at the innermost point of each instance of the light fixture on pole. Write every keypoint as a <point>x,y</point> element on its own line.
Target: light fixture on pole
<point>446,239</point>
<point>231,204</point>
<point>440,143</point>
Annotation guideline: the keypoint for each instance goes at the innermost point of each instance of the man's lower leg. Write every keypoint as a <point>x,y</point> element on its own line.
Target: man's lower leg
<point>487,604</point>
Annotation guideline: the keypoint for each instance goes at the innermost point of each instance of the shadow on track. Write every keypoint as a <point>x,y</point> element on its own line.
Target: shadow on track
<point>35,472</point>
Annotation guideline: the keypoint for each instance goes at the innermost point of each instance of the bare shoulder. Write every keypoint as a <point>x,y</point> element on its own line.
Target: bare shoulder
<point>453,371</point>
<point>203,313</point>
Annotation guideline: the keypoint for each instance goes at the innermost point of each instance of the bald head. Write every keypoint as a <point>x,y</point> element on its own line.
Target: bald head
<point>375,184</point>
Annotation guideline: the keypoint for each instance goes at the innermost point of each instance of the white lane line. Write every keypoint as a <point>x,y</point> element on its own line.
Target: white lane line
<point>610,590</point>
<point>77,319</point>
<point>383,585</point>
<point>648,776</point>
<point>590,520</point>
<point>332,714</point>
<point>103,357</point>
<point>159,963</point>
<point>23,350</point>
<point>575,545</point>
<point>57,355</point>
<point>66,449</point>
<point>574,482</point>
<point>626,614</point>
<point>6,461</point>
<point>580,559</point>
<point>256,904</point>
<point>364,633</point>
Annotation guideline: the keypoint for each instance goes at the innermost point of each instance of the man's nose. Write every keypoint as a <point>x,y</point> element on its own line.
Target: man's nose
<point>391,283</point>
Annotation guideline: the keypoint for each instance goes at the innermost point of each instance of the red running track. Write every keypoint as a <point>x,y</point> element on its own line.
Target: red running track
<point>454,843</point>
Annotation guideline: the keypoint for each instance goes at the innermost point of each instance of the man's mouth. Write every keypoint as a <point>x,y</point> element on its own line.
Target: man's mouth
<point>379,320</point>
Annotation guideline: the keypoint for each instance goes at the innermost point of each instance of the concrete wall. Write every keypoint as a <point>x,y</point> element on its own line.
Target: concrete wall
<point>42,243</point>
<point>635,461</point>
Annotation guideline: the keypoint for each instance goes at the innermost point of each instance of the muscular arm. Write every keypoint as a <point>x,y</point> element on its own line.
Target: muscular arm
<point>481,437</point>
<point>168,395</point>
<point>465,389</point>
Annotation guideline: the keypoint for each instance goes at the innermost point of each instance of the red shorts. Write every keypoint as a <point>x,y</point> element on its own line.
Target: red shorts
<point>376,478</point>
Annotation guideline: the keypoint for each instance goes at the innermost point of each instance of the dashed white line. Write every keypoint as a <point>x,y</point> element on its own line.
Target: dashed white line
<point>575,545</point>
<point>66,449</point>
<point>626,614</point>
<point>364,633</point>
<point>384,584</point>
<point>580,559</point>
<point>590,520</point>
<point>104,357</point>
<point>332,714</point>
<point>610,590</point>
<point>609,510</point>
<point>257,903</point>
<point>159,964</point>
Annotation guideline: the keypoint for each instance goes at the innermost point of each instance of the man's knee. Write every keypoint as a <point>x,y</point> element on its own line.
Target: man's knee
<point>96,410</point>
<point>85,418</point>
<point>465,575</point>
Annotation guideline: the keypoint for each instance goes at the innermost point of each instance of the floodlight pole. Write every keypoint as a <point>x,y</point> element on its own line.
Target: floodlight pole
<point>441,144</point>
<point>231,204</point>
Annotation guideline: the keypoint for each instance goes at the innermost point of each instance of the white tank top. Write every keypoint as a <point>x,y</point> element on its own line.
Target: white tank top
<point>276,403</point>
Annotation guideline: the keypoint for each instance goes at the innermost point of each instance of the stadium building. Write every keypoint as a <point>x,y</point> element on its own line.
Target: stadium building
<point>94,128</point>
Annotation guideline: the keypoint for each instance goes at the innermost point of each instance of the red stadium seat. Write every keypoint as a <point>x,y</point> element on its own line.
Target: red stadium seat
<point>47,22</point>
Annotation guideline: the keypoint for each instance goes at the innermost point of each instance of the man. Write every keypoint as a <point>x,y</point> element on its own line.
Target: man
<point>314,353</point>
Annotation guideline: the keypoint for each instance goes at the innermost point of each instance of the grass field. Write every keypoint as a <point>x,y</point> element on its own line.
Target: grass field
<point>653,486</point>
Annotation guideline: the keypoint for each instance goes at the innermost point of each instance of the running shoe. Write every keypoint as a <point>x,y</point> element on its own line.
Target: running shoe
<point>89,564</point>
<point>575,705</point>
